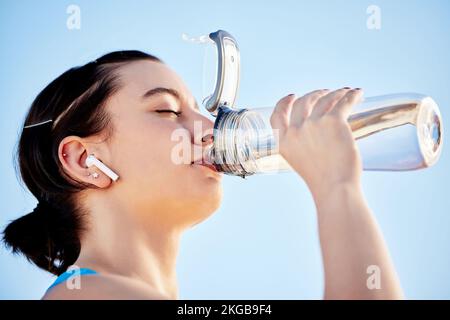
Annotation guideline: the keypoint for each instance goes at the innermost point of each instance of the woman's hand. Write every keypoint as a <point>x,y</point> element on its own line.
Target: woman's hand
<point>316,140</point>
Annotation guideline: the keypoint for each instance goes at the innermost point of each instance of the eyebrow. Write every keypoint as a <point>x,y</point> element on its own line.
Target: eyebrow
<point>172,92</point>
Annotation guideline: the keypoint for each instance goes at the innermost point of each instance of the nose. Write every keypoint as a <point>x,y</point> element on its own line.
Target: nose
<point>209,138</point>
<point>202,133</point>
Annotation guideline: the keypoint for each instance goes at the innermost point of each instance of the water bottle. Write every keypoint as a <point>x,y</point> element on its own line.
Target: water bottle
<point>394,132</point>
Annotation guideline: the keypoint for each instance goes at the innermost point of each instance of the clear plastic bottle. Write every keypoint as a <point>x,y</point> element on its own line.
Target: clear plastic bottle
<point>393,132</point>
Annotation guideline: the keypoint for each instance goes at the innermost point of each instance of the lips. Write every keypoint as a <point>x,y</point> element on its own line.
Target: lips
<point>204,160</point>
<point>205,164</point>
<point>208,165</point>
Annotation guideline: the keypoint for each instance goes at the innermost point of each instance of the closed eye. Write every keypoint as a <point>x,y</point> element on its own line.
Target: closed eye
<point>169,111</point>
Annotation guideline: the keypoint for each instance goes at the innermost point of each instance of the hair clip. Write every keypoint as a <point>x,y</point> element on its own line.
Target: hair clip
<point>37,124</point>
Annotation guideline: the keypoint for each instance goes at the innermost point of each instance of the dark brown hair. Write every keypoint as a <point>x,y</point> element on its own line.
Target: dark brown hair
<point>49,236</point>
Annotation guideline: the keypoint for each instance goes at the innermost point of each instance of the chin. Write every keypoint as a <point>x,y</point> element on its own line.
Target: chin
<point>206,203</point>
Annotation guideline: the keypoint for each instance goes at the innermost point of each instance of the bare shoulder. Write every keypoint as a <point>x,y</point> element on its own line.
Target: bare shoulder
<point>104,287</point>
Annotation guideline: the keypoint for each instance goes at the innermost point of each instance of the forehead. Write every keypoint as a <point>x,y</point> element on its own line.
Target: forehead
<point>140,76</point>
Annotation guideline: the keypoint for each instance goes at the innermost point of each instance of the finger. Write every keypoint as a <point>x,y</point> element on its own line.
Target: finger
<point>280,115</point>
<point>302,106</point>
<point>326,103</point>
<point>344,106</point>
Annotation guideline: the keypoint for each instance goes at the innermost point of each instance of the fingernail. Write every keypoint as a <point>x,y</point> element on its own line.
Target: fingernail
<point>357,88</point>
<point>346,88</point>
<point>290,95</point>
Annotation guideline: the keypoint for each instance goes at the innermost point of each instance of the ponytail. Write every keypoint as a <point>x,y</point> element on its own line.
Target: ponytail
<point>47,237</point>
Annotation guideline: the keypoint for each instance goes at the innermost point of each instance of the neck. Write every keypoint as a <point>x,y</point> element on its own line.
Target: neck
<point>117,243</point>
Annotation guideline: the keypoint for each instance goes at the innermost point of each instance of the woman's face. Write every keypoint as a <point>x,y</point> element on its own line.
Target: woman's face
<point>152,148</point>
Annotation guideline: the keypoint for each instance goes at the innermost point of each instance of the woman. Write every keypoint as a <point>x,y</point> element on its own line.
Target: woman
<point>124,235</point>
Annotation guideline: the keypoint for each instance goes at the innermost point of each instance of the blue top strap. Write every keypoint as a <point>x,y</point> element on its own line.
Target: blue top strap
<point>70,273</point>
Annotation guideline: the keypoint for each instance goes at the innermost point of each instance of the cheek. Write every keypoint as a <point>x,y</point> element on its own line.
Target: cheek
<point>144,155</point>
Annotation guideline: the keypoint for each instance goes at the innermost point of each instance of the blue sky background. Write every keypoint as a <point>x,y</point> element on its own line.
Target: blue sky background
<point>263,242</point>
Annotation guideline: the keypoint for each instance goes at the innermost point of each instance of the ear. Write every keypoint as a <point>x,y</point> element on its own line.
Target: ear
<point>72,154</point>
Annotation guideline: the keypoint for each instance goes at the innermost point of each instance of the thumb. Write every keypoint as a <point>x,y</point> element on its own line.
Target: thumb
<point>281,113</point>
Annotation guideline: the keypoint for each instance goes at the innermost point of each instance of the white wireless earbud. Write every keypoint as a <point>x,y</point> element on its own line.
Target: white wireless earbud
<point>91,160</point>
